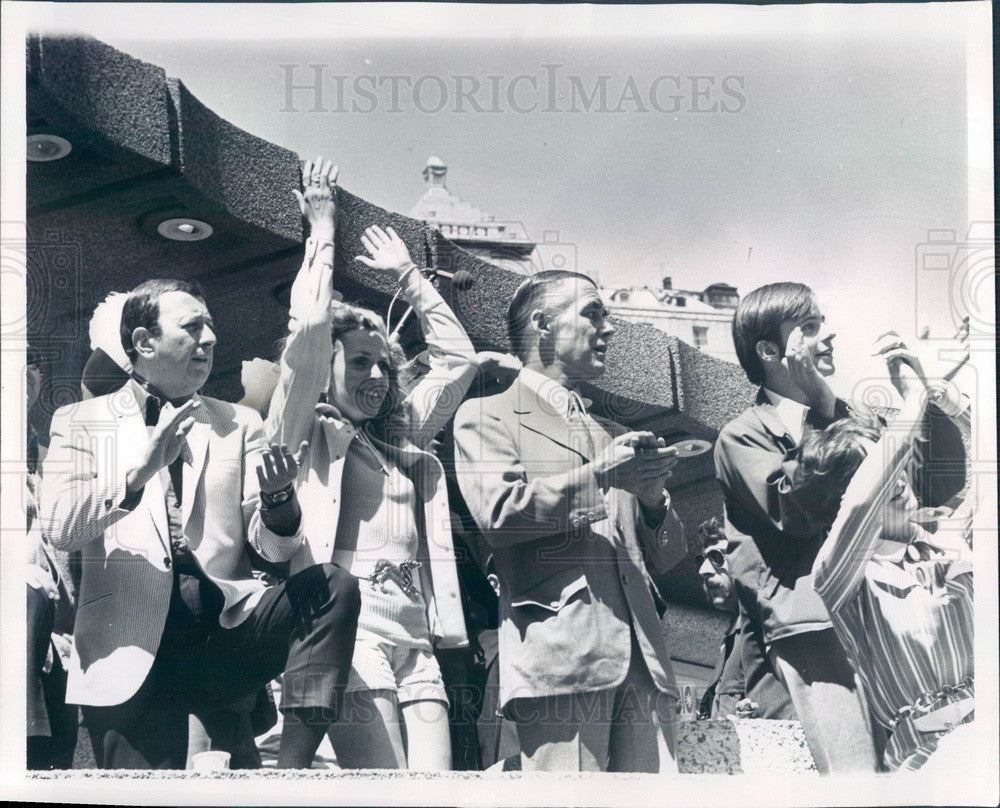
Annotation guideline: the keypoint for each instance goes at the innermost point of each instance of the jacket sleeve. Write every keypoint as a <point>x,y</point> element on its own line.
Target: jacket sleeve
<point>305,361</point>
<point>270,545</point>
<point>663,545</point>
<point>509,508</point>
<point>751,474</point>
<point>81,490</point>
<point>451,357</point>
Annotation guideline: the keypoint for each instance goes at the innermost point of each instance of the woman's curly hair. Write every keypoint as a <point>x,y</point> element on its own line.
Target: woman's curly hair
<point>827,460</point>
<point>347,317</point>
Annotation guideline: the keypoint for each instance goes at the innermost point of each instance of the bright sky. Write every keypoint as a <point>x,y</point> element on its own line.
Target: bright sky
<point>844,143</point>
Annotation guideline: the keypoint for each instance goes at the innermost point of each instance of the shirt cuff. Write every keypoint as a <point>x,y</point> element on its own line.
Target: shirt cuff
<point>947,398</point>
<point>131,499</point>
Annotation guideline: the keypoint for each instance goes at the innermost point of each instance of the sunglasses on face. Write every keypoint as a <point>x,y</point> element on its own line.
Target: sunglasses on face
<point>716,558</point>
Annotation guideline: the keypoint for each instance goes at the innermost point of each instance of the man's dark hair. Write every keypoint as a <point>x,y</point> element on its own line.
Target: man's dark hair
<point>537,292</point>
<point>760,315</point>
<point>827,461</point>
<point>711,531</point>
<point>142,308</point>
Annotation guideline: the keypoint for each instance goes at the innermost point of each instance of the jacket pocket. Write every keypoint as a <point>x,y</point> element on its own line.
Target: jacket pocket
<point>554,592</point>
<point>86,604</point>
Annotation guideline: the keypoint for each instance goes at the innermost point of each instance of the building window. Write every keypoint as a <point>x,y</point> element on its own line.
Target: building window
<point>700,336</point>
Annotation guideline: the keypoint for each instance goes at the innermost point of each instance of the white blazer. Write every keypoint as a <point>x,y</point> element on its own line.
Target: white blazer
<point>305,374</point>
<point>126,582</point>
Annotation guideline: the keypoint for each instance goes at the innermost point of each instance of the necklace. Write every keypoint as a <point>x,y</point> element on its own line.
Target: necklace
<point>378,455</point>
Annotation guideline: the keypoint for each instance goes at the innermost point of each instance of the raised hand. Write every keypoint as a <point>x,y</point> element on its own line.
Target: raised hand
<point>636,462</point>
<point>279,467</point>
<point>905,369</point>
<point>806,376</point>
<point>165,445</point>
<point>318,197</point>
<point>964,350</point>
<point>387,250</point>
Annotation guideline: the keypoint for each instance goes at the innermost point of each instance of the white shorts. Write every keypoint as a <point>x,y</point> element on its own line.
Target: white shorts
<point>413,674</point>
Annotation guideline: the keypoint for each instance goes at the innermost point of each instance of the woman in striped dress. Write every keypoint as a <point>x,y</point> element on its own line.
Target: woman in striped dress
<point>899,596</point>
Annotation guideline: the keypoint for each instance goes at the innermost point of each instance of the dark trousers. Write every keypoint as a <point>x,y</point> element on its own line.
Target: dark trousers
<point>497,735</point>
<point>304,627</point>
<point>55,750</point>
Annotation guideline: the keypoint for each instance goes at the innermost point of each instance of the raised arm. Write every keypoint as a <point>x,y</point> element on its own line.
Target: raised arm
<point>305,362</point>
<point>271,511</point>
<point>74,495</point>
<point>451,357</point>
<point>84,492</point>
<point>840,565</point>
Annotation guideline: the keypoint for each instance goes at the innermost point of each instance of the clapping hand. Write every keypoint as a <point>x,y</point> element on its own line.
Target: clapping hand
<point>387,250</point>
<point>317,199</point>
<point>636,462</point>
<point>279,467</point>
<point>165,445</point>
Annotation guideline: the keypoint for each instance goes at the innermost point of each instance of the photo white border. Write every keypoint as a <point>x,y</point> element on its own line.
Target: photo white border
<point>977,785</point>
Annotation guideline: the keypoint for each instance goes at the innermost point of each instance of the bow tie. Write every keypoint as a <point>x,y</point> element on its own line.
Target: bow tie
<point>154,405</point>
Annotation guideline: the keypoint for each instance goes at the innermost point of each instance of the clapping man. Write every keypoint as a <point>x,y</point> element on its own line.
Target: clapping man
<point>162,489</point>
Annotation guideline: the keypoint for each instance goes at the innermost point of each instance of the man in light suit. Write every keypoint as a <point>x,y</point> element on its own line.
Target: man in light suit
<point>163,490</point>
<point>574,509</point>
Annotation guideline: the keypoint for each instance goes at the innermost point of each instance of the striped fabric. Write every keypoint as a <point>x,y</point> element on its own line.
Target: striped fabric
<point>905,618</point>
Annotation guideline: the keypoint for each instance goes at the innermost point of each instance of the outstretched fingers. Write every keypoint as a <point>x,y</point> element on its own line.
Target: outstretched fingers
<point>301,454</point>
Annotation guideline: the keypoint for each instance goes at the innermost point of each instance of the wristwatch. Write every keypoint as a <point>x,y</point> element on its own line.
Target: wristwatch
<point>268,501</point>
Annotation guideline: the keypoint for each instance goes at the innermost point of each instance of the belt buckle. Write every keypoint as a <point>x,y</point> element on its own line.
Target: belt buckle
<point>401,575</point>
<point>946,717</point>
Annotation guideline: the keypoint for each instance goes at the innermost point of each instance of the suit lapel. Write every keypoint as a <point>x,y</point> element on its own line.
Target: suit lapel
<point>194,463</point>
<point>133,436</point>
<point>540,416</point>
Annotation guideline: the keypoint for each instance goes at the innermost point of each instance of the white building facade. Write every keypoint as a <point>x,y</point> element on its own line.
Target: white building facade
<point>702,319</point>
<point>504,243</point>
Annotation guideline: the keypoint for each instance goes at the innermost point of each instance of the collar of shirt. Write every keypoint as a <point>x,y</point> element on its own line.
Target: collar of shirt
<point>144,390</point>
<point>562,400</point>
<point>792,414</point>
<point>140,393</point>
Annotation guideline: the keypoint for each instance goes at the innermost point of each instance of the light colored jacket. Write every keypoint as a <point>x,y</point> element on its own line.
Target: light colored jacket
<point>126,582</point>
<point>305,374</point>
<point>571,559</point>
